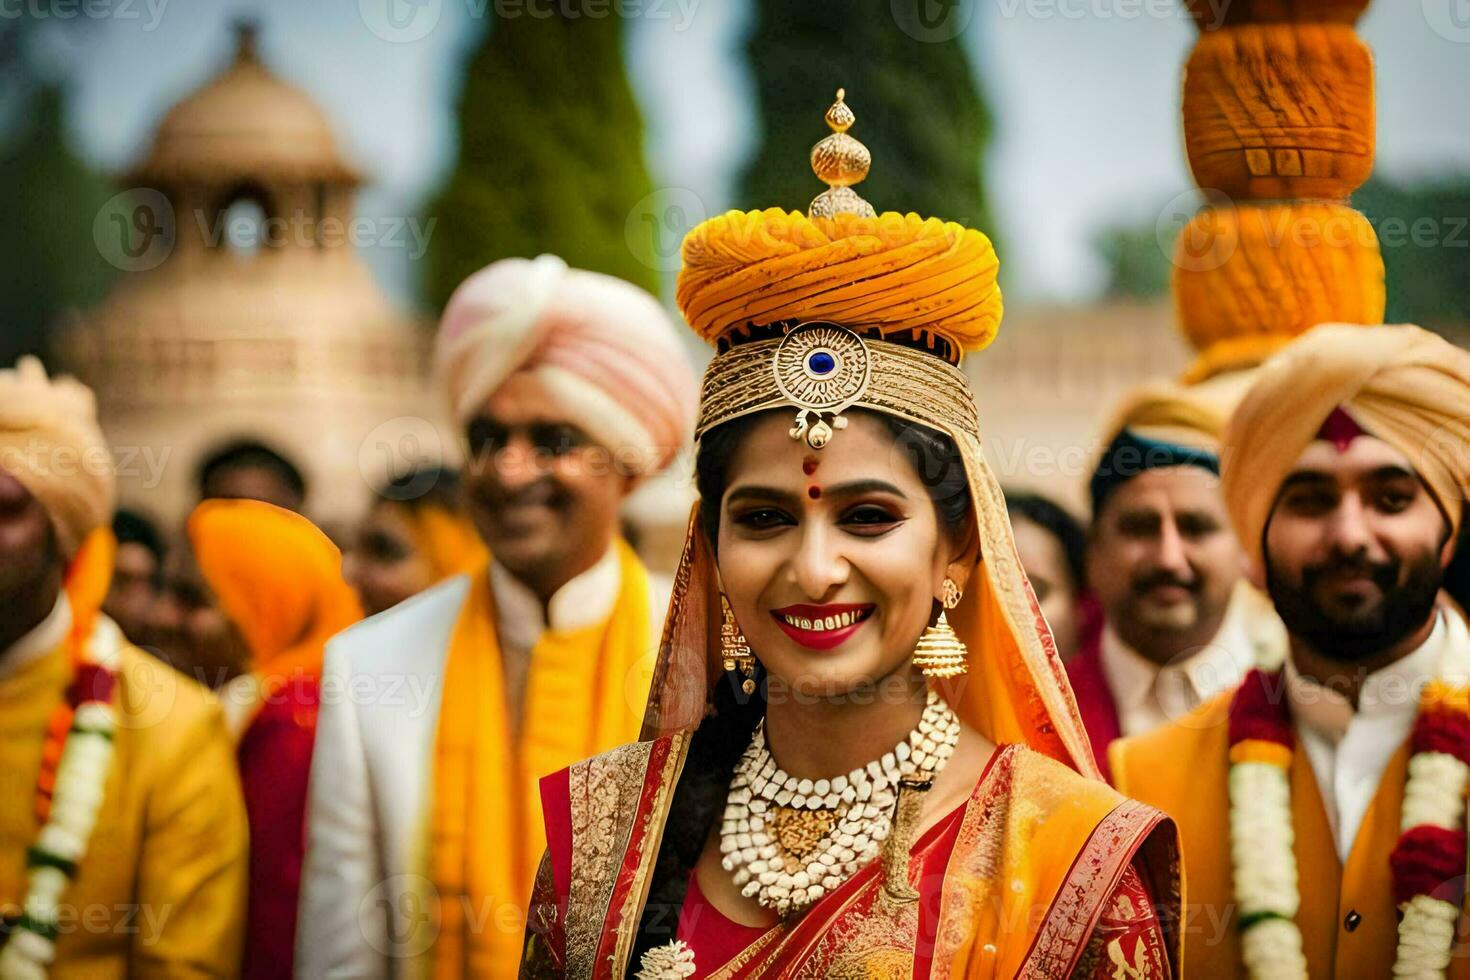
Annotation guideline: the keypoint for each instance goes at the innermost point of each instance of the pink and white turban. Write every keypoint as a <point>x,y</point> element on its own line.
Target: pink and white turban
<point>607,350</point>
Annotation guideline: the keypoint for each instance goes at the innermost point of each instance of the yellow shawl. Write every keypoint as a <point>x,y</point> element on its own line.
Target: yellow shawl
<point>585,694</point>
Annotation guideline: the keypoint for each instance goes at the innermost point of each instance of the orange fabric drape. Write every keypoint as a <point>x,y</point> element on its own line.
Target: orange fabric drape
<point>585,694</point>
<point>278,578</point>
<point>447,539</point>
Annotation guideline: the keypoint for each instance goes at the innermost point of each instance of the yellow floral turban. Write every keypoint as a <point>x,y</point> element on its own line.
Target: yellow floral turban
<point>1401,384</point>
<point>50,441</point>
<point>896,272</point>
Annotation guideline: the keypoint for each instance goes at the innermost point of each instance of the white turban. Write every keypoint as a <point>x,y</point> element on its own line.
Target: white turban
<point>607,350</point>
<point>51,443</point>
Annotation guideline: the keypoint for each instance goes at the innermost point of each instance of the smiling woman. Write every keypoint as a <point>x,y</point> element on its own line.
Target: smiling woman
<point>836,781</point>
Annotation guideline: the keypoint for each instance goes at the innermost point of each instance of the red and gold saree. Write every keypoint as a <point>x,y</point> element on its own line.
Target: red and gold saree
<point>1039,874</point>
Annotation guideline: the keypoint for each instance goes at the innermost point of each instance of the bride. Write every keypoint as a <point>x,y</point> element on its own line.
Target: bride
<point>862,755</point>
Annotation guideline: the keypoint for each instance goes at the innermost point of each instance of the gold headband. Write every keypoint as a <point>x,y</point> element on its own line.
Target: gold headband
<point>822,369</point>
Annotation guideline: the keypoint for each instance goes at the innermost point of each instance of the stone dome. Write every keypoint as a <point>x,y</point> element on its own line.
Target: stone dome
<point>246,122</point>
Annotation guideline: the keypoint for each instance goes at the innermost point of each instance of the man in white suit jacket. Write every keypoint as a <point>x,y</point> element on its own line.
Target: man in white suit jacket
<point>572,388</point>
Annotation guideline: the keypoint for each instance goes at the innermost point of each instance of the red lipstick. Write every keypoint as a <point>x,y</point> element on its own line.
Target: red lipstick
<point>822,627</point>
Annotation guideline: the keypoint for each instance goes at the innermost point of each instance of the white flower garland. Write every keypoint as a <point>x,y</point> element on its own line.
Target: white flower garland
<point>81,779</point>
<point>1264,864</point>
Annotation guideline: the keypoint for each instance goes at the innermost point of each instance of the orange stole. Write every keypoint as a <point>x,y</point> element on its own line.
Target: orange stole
<point>1183,769</point>
<point>1038,854</point>
<point>585,693</point>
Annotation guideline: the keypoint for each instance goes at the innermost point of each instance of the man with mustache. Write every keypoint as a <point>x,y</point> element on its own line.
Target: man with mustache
<point>1321,802</point>
<point>1179,623</point>
<point>424,827</point>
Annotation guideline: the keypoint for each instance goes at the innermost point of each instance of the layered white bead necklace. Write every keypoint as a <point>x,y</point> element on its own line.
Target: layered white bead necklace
<point>789,841</point>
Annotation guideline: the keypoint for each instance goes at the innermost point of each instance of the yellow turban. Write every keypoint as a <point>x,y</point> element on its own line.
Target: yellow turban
<point>1401,384</point>
<point>51,443</point>
<point>897,272</point>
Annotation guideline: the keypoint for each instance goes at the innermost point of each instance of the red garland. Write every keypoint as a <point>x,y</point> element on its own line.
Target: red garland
<point>93,682</point>
<point>1440,730</point>
<point>1259,710</point>
<point>1428,860</point>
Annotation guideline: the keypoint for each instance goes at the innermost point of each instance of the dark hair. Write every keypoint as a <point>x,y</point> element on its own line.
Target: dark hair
<point>131,527</point>
<point>1060,524</point>
<point>243,454</point>
<point>428,486</point>
<point>722,737</point>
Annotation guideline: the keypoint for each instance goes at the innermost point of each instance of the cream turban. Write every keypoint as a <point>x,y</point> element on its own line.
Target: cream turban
<point>1401,384</point>
<point>605,348</point>
<point>51,443</point>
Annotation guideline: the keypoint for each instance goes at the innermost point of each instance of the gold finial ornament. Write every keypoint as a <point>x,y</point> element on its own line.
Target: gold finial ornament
<point>840,161</point>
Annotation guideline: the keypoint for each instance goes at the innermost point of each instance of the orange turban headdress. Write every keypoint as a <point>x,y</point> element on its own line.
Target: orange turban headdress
<point>50,441</point>
<point>278,578</point>
<point>1401,384</point>
<point>844,308</point>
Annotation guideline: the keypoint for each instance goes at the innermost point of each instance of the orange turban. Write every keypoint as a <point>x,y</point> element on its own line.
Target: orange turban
<point>898,272</point>
<point>278,578</point>
<point>51,443</point>
<point>1401,384</point>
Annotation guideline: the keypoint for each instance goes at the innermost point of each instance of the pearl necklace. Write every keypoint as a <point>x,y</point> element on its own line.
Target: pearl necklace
<point>788,841</point>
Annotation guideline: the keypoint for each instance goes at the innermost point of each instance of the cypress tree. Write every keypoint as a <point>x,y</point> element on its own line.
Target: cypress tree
<point>50,199</point>
<point>550,153</point>
<point>918,107</point>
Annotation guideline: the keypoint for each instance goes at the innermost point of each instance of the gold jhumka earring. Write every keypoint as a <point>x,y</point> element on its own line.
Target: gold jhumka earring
<point>941,653</point>
<point>734,650</point>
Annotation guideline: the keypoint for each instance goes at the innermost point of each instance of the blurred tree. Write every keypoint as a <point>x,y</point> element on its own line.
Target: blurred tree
<point>1424,232</point>
<point>50,199</point>
<point>918,107</point>
<point>1137,267</point>
<point>550,154</point>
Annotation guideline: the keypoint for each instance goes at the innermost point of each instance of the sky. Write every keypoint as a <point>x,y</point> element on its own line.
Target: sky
<point>1085,95</point>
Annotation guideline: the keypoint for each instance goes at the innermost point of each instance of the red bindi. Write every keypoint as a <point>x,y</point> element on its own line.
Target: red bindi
<point>814,492</point>
<point>809,465</point>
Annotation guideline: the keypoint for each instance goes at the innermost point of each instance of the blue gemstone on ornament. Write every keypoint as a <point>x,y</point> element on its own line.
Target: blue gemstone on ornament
<point>821,362</point>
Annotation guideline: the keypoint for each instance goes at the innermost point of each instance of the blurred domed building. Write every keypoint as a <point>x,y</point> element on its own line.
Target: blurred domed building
<point>243,309</point>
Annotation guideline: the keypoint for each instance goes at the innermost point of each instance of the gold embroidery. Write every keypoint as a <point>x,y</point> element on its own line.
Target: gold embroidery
<point>651,836</point>
<point>604,800</point>
<point>1137,970</point>
<point>901,381</point>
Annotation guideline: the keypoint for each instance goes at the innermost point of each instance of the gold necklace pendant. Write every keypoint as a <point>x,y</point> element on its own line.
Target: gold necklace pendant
<point>799,832</point>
